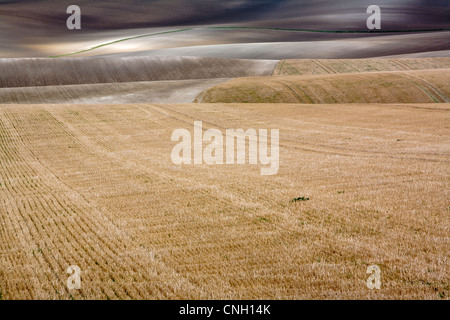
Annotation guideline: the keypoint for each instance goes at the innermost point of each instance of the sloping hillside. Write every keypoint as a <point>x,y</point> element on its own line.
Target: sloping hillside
<point>38,28</point>
<point>332,66</point>
<point>375,87</point>
<point>64,71</point>
<point>177,91</point>
<point>95,187</point>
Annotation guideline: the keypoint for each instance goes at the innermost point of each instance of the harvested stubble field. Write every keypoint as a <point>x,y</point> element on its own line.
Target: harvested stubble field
<point>94,186</point>
<point>177,91</point>
<point>188,79</point>
<point>31,72</point>
<point>423,86</point>
<point>294,67</point>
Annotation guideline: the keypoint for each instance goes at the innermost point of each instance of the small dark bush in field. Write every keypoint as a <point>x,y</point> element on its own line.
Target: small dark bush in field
<point>300,199</point>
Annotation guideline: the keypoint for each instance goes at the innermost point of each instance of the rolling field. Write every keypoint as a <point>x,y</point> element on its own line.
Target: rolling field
<point>119,80</point>
<point>424,86</point>
<point>175,91</point>
<point>94,97</point>
<point>94,186</point>
<point>41,72</point>
<point>189,79</point>
<point>245,29</point>
<point>335,66</point>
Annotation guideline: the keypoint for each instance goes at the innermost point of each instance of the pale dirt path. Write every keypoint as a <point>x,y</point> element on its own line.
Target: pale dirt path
<point>32,72</point>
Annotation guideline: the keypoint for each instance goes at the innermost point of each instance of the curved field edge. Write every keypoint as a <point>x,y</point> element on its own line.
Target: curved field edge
<point>249,28</point>
<point>375,87</point>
